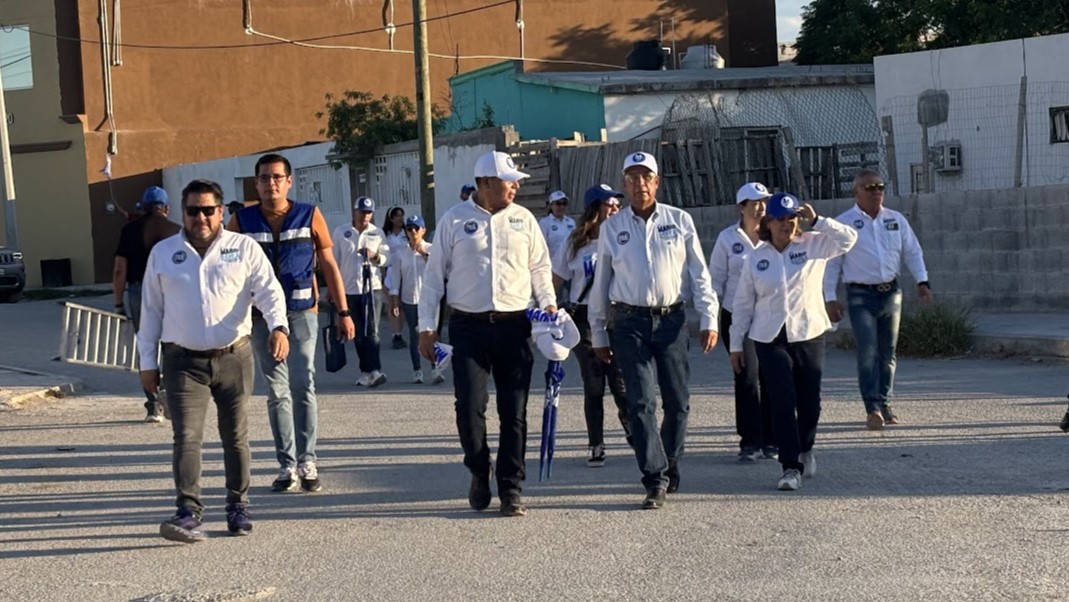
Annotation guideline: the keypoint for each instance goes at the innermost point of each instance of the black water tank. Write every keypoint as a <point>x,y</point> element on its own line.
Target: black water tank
<point>646,56</point>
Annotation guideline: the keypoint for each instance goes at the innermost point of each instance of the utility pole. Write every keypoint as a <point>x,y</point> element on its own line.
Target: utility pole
<point>423,112</point>
<point>11,230</point>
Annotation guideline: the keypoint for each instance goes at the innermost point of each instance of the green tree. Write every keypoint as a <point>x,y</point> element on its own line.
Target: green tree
<point>360,124</point>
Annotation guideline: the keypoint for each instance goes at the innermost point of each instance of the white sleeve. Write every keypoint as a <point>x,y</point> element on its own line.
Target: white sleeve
<point>705,299</point>
<point>743,306</point>
<point>833,238</point>
<point>148,335</point>
<point>560,262</point>
<point>433,289</point>
<point>718,266</point>
<point>541,272</point>
<point>394,276</point>
<point>598,298</point>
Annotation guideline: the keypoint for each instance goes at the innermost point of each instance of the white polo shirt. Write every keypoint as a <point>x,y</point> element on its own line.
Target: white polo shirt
<point>203,303</point>
<point>649,263</point>
<point>347,241</point>
<point>492,262</point>
<point>778,289</point>
<point>556,231</point>
<point>578,268</point>
<point>725,262</point>
<point>882,244</point>
<point>405,277</point>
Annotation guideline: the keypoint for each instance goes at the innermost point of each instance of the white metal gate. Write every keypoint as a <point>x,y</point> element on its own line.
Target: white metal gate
<point>396,183</point>
<point>323,186</point>
<point>99,338</point>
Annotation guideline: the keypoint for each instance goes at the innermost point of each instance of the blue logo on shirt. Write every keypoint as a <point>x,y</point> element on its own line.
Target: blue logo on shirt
<point>859,224</point>
<point>348,234</point>
<point>554,228</point>
<point>230,255</point>
<point>623,237</point>
<point>798,258</point>
<point>762,265</point>
<point>737,248</point>
<point>471,226</point>
<point>178,257</point>
<point>588,265</point>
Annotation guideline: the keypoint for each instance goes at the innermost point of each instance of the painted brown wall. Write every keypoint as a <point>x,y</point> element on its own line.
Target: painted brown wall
<point>179,106</point>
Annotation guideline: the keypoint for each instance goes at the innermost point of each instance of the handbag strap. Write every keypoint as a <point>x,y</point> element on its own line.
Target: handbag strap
<point>586,290</point>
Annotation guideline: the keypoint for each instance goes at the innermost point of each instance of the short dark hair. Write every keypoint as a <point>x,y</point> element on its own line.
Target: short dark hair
<point>202,187</point>
<point>270,159</point>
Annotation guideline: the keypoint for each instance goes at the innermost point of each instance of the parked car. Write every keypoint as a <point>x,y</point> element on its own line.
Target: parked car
<point>12,275</point>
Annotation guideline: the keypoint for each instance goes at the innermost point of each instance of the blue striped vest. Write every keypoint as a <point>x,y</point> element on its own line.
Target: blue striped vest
<point>292,254</point>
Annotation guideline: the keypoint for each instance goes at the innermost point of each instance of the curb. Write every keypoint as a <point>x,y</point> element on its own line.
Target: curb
<point>66,387</point>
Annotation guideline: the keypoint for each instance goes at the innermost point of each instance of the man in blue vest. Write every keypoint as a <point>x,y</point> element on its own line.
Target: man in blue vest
<point>295,237</point>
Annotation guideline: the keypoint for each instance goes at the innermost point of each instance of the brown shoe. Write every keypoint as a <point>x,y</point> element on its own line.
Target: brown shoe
<point>888,415</point>
<point>874,421</point>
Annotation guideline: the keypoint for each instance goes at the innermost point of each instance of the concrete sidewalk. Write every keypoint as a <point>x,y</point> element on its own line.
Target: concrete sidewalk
<point>19,386</point>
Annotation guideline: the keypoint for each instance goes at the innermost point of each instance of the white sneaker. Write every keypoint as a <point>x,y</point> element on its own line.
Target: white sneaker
<point>790,481</point>
<point>809,460</point>
<point>437,377</point>
<point>417,377</point>
<point>364,380</point>
<point>376,378</point>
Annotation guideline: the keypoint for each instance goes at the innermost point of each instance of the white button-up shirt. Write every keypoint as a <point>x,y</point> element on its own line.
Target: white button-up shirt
<point>492,262</point>
<point>882,244</point>
<point>732,247</point>
<point>578,268</point>
<point>783,289</point>
<point>205,301</point>
<point>650,263</point>
<point>347,241</point>
<point>405,276</point>
<point>556,231</point>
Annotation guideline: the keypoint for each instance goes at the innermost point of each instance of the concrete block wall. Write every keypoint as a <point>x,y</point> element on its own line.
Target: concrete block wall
<point>993,250</point>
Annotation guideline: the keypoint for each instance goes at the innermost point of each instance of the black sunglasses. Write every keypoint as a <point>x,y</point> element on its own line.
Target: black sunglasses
<point>876,186</point>
<point>202,210</point>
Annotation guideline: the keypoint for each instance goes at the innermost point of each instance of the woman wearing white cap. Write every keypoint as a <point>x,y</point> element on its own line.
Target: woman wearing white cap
<point>753,414</point>
<point>780,304</point>
<point>575,262</point>
<point>556,226</point>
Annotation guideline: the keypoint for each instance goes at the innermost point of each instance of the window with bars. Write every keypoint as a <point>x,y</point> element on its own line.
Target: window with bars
<point>1059,125</point>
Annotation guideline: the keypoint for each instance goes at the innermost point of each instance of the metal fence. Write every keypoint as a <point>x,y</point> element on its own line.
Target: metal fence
<point>95,337</point>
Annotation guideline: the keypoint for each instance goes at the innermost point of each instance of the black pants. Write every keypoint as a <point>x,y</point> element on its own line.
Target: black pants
<point>596,374</point>
<point>191,383</point>
<point>753,410</point>
<point>500,349</point>
<point>366,340</point>
<point>793,372</point>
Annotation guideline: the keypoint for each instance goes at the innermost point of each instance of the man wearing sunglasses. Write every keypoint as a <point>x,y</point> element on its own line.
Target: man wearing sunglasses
<point>197,293</point>
<point>874,298</point>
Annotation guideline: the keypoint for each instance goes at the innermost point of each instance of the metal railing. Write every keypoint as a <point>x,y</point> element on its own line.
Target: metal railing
<point>96,337</point>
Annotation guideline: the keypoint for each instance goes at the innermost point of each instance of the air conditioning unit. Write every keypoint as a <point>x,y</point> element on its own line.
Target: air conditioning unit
<point>946,156</point>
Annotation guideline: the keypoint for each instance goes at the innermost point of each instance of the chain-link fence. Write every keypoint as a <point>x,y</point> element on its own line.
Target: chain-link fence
<point>978,138</point>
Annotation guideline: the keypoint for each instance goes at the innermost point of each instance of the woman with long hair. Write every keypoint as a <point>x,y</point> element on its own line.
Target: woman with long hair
<point>393,227</point>
<point>575,262</point>
<point>779,303</point>
<point>753,413</point>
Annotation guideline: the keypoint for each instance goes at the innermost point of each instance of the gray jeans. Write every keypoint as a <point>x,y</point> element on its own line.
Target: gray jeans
<point>191,383</point>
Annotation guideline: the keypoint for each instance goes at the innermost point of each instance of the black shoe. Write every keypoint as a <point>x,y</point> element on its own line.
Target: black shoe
<point>398,342</point>
<point>512,505</point>
<point>237,520</point>
<point>1065,422</point>
<point>654,499</point>
<point>673,477</point>
<point>182,527</point>
<point>479,492</point>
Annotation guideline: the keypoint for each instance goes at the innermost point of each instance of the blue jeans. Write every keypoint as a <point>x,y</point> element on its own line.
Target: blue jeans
<point>642,344</point>
<point>793,372</point>
<point>411,314</point>
<point>875,318</point>
<point>291,391</point>
<point>367,335</point>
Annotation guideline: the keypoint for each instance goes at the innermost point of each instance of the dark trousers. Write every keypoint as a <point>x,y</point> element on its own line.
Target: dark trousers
<point>367,335</point>
<point>753,410</point>
<point>191,383</point>
<point>596,374</point>
<point>500,349</point>
<point>132,302</point>
<point>411,314</point>
<point>793,372</point>
<point>646,348</point>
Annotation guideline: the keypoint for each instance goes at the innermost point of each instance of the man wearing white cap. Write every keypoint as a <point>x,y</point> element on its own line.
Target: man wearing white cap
<point>489,260</point>
<point>648,256</point>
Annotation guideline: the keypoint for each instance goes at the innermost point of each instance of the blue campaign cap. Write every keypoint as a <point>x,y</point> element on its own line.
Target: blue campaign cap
<point>415,220</point>
<point>364,203</point>
<point>467,188</point>
<point>599,193</point>
<point>782,205</point>
<point>154,195</point>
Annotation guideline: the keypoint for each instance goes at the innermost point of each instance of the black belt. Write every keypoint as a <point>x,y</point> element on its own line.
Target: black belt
<point>491,316</point>
<point>662,310</point>
<point>884,287</point>
<point>208,353</point>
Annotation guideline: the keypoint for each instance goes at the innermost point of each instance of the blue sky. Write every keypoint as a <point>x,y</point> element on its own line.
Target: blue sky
<point>788,18</point>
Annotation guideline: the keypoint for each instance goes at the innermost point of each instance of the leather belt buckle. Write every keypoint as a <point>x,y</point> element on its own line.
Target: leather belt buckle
<point>660,311</point>
<point>885,287</point>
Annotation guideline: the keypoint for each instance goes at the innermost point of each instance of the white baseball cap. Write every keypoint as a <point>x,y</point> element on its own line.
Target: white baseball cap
<point>641,158</point>
<point>555,339</point>
<point>557,195</point>
<point>498,165</point>
<point>753,191</point>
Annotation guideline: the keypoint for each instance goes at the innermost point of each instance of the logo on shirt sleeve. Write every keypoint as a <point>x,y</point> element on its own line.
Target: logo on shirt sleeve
<point>178,257</point>
<point>737,248</point>
<point>762,265</point>
<point>859,224</point>
<point>623,237</point>
<point>471,227</point>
